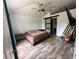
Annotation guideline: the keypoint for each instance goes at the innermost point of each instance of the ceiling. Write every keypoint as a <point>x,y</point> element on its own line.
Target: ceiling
<point>24,6</point>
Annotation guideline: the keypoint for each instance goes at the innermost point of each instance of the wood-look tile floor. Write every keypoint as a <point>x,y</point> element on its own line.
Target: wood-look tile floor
<point>51,48</point>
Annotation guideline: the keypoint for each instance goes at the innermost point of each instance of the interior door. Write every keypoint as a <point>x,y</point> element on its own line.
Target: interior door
<point>54,26</point>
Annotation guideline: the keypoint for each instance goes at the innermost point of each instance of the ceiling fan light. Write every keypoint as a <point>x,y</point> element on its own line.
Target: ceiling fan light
<point>41,4</point>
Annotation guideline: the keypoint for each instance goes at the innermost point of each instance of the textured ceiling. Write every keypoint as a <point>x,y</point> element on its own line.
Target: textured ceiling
<point>25,6</point>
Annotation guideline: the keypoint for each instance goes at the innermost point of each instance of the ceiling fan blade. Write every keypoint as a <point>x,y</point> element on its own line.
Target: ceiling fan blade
<point>48,3</point>
<point>51,7</point>
<point>35,8</point>
<point>38,3</point>
<point>39,13</point>
<point>36,13</point>
<point>48,10</point>
<point>39,6</point>
<point>44,12</point>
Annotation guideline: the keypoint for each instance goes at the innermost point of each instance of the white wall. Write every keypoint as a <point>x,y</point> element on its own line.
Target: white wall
<point>24,23</point>
<point>62,21</point>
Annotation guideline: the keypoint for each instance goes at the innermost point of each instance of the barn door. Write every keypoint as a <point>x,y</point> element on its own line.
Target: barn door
<point>10,29</point>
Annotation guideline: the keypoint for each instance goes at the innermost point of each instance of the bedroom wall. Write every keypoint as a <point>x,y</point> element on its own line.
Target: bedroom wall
<point>24,23</point>
<point>62,21</point>
<point>20,18</point>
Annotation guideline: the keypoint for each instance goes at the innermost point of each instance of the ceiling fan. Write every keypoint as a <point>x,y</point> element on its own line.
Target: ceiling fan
<point>44,7</point>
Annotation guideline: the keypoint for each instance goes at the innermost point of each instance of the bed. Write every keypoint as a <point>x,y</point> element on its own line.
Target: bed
<point>36,35</point>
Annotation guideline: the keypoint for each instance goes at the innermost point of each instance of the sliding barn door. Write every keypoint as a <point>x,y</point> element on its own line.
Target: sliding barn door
<point>7,45</point>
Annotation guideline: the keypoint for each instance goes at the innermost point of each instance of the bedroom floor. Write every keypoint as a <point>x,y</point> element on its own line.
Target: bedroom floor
<point>51,48</point>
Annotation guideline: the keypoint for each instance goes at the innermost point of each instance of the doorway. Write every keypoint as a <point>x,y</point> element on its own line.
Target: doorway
<point>54,29</point>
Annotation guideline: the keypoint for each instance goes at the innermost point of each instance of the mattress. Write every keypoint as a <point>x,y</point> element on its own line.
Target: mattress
<point>34,36</point>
